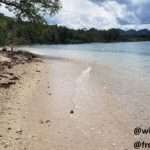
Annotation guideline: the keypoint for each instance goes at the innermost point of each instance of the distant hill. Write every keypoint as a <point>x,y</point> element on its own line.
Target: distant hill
<point>13,32</point>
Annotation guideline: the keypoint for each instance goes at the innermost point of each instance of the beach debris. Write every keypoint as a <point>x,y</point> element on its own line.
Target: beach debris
<point>71,111</point>
<point>41,122</point>
<point>9,128</point>
<point>7,79</point>
<point>47,121</point>
<point>6,84</point>
<point>38,71</point>
<point>8,60</point>
<point>14,78</point>
<point>19,131</point>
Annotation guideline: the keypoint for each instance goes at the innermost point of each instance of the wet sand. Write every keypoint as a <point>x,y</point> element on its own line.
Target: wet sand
<point>36,112</point>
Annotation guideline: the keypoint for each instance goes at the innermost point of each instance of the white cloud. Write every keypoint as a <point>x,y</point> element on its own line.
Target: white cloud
<point>86,14</point>
<point>121,12</point>
<point>81,13</point>
<point>101,14</point>
<point>5,11</point>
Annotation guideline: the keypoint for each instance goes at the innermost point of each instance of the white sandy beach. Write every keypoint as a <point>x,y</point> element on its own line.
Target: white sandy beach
<point>36,111</point>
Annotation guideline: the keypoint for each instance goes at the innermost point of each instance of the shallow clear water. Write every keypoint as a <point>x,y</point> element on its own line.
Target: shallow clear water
<point>127,73</point>
<point>129,57</point>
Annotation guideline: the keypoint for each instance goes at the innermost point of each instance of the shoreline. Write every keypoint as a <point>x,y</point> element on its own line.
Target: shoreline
<point>19,78</point>
<point>62,104</point>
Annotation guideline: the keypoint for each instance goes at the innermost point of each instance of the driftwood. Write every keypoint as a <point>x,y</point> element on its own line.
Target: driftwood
<point>7,79</point>
<point>7,84</point>
<point>8,59</point>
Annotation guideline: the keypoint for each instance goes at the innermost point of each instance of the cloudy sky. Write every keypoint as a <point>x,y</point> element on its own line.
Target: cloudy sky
<point>103,14</point>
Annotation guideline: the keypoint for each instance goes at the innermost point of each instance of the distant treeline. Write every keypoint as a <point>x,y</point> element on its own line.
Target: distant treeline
<point>12,32</point>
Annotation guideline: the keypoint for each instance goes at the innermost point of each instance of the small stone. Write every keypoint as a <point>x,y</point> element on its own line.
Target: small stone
<point>47,121</point>
<point>9,128</point>
<point>9,66</point>
<point>71,111</point>
<point>4,49</point>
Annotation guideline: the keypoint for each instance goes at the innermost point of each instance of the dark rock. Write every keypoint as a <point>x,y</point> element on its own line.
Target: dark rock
<point>4,49</point>
<point>71,111</point>
<point>9,128</point>
<point>9,66</point>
